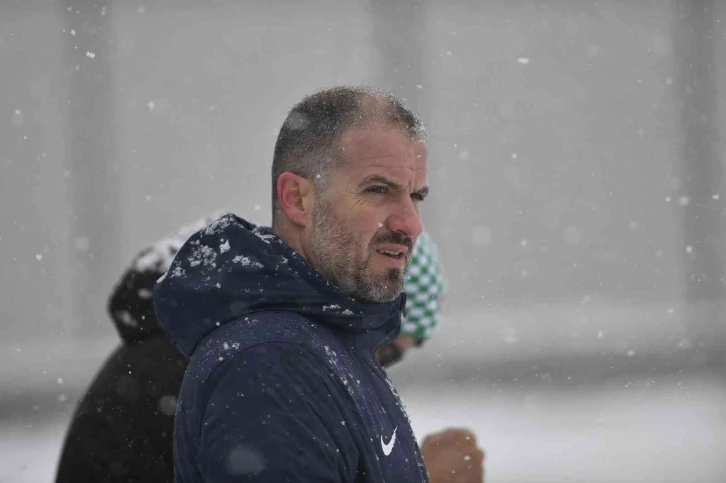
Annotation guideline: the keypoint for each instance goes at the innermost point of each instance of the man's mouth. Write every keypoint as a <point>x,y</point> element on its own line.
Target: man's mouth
<point>392,254</point>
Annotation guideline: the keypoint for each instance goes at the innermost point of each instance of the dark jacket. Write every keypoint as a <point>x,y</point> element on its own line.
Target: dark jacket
<point>282,383</point>
<point>122,429</point>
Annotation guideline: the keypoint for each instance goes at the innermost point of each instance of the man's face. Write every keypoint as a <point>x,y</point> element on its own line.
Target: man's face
<point>367,221</point>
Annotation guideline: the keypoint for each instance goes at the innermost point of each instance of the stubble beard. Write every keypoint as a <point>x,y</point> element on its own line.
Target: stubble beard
<point>336,257</point>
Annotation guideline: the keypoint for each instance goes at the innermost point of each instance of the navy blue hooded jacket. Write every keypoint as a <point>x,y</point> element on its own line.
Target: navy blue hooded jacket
<point>282,384</point>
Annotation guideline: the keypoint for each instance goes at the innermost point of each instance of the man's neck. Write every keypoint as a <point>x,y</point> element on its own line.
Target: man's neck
<point>291,236</point>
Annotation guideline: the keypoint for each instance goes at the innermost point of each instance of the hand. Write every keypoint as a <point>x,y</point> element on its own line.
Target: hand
<point>392,353</point>
<point>452,456</point>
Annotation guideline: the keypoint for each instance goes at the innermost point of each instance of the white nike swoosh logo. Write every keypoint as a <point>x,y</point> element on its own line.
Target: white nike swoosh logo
<point>387,448</point>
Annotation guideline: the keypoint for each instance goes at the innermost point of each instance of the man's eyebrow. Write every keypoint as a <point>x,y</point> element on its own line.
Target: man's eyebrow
<point>377,178</point>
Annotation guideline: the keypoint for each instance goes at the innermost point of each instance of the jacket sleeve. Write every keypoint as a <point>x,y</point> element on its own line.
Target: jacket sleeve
<point>274,415</point>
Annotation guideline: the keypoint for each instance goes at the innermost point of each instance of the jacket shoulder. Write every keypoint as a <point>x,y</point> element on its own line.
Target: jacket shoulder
<point>268,327</point>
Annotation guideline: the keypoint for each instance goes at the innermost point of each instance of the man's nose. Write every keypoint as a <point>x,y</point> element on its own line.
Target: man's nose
<point>406,219</point>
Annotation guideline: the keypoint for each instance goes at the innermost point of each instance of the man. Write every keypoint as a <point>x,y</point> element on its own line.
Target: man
<point>122,429</point>
<point>281,324</point>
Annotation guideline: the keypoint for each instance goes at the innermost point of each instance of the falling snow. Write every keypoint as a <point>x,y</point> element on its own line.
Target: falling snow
<point>609,230</point>
<point>126,318</point>
<point>224,247</point>
<point>203,255</point>
<point>177,272</point>
<point>18,118</point>
<point>265,237</point>
<point>246,262</point>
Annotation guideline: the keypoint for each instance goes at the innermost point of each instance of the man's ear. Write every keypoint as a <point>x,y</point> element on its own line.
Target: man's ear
<point>296,195</point>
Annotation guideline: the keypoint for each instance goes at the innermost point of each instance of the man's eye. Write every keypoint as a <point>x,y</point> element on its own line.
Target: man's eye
<point>381,190</point>
<point>417,196</point>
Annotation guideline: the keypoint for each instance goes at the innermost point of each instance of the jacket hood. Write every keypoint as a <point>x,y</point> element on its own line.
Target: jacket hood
<point>232,269</point>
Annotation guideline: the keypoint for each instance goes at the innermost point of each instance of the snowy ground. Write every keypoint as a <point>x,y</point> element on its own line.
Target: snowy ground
<point>672,430</point>
<point>30,454</point>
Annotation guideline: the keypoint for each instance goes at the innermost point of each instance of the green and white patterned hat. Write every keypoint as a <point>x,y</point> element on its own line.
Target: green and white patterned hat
<point>424,287</point>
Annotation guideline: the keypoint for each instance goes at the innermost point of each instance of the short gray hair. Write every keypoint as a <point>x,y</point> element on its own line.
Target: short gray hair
<point>308,139</point>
